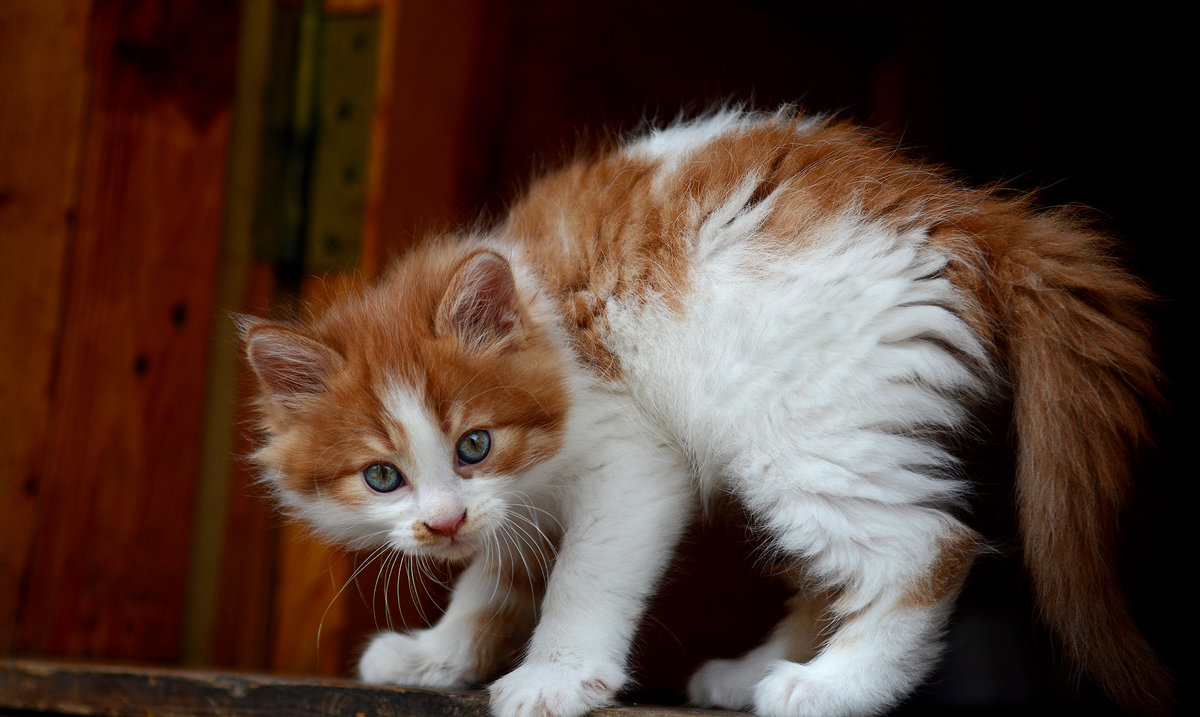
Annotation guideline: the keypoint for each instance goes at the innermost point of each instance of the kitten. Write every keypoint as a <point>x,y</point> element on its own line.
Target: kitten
<point>776,307</point>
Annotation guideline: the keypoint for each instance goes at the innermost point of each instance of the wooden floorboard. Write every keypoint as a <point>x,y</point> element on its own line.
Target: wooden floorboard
<point>38,687</point>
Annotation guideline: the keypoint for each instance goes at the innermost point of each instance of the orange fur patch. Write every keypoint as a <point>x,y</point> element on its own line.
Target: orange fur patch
<point>602,228</point>
<point>955,554</point>
<point>386,334</point>
<point>810,623</point>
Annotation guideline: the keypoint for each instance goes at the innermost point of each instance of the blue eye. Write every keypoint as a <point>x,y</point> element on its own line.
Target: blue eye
<point>383,477</point>
<point>474,446</point>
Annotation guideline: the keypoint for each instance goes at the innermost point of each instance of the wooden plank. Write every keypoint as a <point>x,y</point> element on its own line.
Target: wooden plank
<point>81,689</point>
<point>233,554</point>
<point>447,84</point>
<point>112,690</point>
<point>309,635</point>
<point>114,511</point>
<point>42,96</point>
<point>234,629</point>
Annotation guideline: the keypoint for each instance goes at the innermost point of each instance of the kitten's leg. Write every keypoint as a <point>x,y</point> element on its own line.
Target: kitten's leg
<point>489,618</point>
<point>885,639</point>
<point>882,649</point>
<point>798,637</point>
<point>622,525</point>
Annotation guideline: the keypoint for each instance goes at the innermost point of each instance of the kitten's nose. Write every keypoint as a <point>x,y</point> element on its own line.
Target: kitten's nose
<point>449,527</point>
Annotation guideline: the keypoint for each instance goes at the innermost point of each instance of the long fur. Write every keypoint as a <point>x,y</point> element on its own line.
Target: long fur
<point>777,307</point>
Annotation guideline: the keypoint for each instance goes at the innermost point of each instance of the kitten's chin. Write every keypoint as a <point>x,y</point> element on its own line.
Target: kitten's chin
<point>457,552</point>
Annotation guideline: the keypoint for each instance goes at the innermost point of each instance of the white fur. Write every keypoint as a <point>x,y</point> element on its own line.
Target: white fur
<point>438,493</point>
<point>610,558</point>
<point>805,381</point>
<point>674,143</point>
<point>612,555</point>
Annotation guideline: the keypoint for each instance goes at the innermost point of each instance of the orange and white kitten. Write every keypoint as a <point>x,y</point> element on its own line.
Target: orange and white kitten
<point>775,307</point>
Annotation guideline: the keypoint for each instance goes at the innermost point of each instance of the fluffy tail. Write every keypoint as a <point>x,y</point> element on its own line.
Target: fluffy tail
<point>1083,369</point>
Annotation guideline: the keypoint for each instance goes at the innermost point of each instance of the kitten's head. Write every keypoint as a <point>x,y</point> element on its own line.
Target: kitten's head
<point>407,414</point>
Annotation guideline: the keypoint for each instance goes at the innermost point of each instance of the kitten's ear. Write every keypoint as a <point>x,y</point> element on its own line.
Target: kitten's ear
<point>289,363</point>
<point>480,305</point>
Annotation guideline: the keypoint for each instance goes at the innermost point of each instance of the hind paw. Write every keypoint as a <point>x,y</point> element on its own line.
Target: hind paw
<point>728,684</point>
<point>790,689</point>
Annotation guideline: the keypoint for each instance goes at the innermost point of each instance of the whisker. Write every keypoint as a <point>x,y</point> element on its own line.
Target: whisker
<point>411,567</point>
<point>345,584</point>
<point>390,569</point>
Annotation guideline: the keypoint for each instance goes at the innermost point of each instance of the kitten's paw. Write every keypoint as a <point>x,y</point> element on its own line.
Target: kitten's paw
<point>728,684</point>
<point>556,689</point>
<point>420,659</point>
<point>790,689</point>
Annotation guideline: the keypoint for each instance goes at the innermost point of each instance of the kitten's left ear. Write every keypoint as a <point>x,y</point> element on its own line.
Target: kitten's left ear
<point>480,305</point>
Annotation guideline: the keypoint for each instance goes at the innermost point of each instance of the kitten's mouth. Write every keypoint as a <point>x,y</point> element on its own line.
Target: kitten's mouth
<point>456,548</point>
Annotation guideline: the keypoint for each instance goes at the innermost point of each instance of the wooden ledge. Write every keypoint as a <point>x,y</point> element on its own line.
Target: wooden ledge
<point>80,688</point>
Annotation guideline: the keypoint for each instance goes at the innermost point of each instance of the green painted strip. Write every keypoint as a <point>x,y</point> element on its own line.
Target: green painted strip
<point>345,105</point>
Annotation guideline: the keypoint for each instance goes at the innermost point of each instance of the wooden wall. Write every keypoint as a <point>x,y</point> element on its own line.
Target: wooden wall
<point>133,168</point>
<point>40,147</point>
<point>134,160</point>
<point>114,145</point>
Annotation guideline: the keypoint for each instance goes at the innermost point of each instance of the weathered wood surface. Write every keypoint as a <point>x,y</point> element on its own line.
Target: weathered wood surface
<point>87,689</point>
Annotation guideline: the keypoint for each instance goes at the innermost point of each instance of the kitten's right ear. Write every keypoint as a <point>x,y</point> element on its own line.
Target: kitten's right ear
<point>480,306</point>
<point>289,363</point>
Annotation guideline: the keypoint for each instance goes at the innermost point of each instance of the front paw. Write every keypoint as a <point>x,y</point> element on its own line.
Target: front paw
<point>556,689</point>
<point>420,659</point>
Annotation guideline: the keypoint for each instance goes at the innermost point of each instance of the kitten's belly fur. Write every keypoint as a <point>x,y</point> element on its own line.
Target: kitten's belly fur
<point>797,346</point>
<point>814,365</point>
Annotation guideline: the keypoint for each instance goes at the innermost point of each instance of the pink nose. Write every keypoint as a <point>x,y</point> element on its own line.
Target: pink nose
<point>448,528</point>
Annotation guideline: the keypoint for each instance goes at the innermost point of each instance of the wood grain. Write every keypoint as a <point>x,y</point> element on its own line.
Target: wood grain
<point>81,689</point>
<point>238,632</point>
<point>114,507</point>
<point>42,96</point>
<point>447,83</point>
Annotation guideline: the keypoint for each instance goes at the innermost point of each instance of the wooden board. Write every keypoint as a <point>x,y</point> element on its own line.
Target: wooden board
<point>81,689</point>
<point>42,96</point>
<point>445,68</point>
<point>234,630</point>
